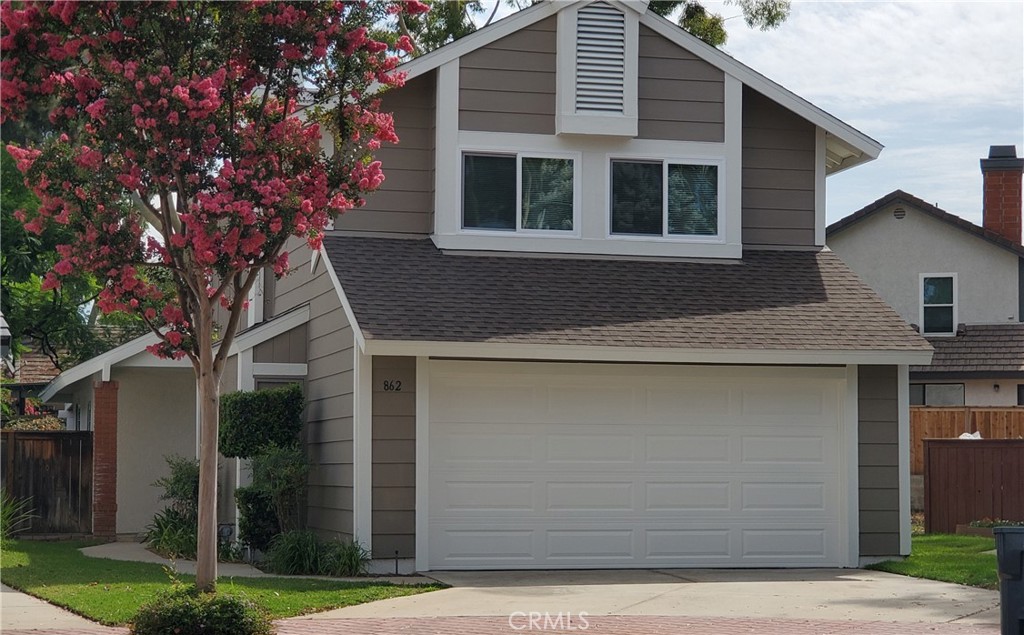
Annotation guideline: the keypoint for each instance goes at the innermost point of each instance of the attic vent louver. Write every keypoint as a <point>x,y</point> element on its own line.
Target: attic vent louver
<point>899,213</point>
<point>600,59</point>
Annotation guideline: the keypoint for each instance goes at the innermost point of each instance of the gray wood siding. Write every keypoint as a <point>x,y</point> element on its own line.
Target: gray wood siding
<point>286,348</point>
<point>679,96</point>
<point>778,174</point>
<point>878,450</point>
<point>405,201</point>
<point>509,85</point>
<point>394,458</point>
<point>329,379</point>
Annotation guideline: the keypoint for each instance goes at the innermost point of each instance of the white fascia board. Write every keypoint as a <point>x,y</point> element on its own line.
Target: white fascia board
<point>97,364</point>
<point>357,333</point>
<point>500,350</point>
<point>269,330</point>
<point>851,136</point>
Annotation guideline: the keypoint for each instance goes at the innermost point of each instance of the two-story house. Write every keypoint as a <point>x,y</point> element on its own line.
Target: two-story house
<point>589,320</point>
<point>960,283</point>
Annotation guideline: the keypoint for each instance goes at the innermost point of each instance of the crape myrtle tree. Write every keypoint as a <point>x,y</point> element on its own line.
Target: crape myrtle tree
<point>187,148</point>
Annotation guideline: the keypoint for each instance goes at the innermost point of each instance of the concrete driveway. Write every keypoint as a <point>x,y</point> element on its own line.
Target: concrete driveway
<point>672,601</point>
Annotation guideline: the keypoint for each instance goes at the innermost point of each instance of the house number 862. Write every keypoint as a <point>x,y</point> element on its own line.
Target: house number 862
<point>392,385</point>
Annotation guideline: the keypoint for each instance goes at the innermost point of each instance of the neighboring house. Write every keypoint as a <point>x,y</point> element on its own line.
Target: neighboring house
<point>27,376</point>
<point>961,284</point>
<point>590,321</point>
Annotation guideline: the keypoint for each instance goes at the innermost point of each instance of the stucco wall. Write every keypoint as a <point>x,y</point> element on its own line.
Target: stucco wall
<point>156,417</point>
<point>890,254</point>
<point>980,392</point>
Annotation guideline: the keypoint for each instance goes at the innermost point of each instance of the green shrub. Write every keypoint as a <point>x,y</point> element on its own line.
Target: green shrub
<point>295,553</point>
<point>16,514</point>
<point>249,421</point>
<point>343,559</point>
<point>257,524</point>
<point>281,473</point>
<point>172,534</point>
<point>305,553</point>
<point>181,486</point>
<point>996,522</point>
<point>188,612</point>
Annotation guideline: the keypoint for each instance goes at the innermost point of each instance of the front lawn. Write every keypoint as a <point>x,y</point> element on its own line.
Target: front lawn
<point>111,591</point>
<point>948,558</point>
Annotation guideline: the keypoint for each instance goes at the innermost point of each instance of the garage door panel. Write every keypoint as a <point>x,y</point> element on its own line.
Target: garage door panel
<point>681,449</point>
<point>655,466</point>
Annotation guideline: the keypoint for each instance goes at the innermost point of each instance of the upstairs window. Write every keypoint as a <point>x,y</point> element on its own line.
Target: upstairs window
<point>938,304</point>
<point>518,192</point>
<point>663,198</point>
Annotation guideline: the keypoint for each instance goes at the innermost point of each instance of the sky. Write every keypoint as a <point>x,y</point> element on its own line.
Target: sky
<point>936,83</point>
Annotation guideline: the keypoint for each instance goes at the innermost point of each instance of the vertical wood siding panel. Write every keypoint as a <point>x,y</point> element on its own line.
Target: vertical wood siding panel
<point>878,421</point>
<point>778,174</point>
<point>407,194</point>
<point>394,456</point>
<point>523,64</point>
<point>681,97</point>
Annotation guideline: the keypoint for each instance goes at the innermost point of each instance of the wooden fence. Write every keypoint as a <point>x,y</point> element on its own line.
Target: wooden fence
<point>54,469</point>
<point>970,480</point>
<point>950,422</point>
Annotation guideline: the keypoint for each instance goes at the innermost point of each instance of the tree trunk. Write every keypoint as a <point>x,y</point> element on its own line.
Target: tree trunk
<point>209,403</point>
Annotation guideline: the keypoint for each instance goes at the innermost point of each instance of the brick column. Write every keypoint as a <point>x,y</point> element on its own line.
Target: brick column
<point>104,460</point>
<point>1002,172</point>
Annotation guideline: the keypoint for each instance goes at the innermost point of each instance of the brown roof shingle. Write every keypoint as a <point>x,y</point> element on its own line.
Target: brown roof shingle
<point>980,349</point>
<point>33,368</point>
<point>406,289</point>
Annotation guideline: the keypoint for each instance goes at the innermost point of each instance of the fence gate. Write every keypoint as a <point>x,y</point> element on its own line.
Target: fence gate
<point>54,469</point>
<point>969,480</point>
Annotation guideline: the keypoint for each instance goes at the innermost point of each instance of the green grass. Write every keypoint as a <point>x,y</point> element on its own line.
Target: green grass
<point>111,591</point>
<point>949,558</point>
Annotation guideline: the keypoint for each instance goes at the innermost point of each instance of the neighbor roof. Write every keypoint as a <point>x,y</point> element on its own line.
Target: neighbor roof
<point>899,196</point>
<point>981,349</point>
<point>33,368</point>
<point>408,290</point>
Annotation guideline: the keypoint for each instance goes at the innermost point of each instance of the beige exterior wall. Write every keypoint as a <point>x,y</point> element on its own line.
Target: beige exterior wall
<point>394,457</point>
<point>329,379</point>
<point>890,255</point>
<point>156,417</point>
<point>680,96</point>
<point>878,445</point>
<point>778,174</point>
<point>286,348</point>
<point>509,85</point>
<point>405,201</point>
<point>982,392</point>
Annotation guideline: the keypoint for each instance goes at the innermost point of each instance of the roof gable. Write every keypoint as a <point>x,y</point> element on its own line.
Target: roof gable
<point>846,146</point>
<point>899,196</point>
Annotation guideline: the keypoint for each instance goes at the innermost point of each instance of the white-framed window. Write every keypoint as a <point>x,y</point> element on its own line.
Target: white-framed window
<point>667,198</point>
<point>520,192</point>
<point>938,296</point>
<point>937,395</point>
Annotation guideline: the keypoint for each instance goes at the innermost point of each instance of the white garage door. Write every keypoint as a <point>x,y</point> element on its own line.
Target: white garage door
<point>547,465</point>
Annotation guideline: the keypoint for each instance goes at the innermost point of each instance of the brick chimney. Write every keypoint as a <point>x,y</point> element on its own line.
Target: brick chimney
<point>1001,211</point>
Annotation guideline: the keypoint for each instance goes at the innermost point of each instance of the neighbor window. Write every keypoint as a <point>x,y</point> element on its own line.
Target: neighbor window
<point>661,198</point>
<point>938,304</point>
<point>508,192</point>
<point>936,394</point>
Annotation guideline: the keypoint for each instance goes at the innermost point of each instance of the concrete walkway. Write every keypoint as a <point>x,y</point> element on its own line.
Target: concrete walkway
<point>21,613</point>
<point>630,602</point>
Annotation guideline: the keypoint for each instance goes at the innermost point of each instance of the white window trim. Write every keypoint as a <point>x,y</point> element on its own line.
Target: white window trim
<point>717,239</point>
<point>520,231</point>
<point>566,119</point>
<point>921,305</point>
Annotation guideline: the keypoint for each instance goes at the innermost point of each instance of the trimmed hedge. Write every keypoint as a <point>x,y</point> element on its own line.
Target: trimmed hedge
<point>249,421</point>
<point>189,612</point>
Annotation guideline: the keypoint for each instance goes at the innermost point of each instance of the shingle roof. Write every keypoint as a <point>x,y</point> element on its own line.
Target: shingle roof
<point>899,196</point>
<point>981,348</point>
<point>33,368</point>
<point>406,289</point>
